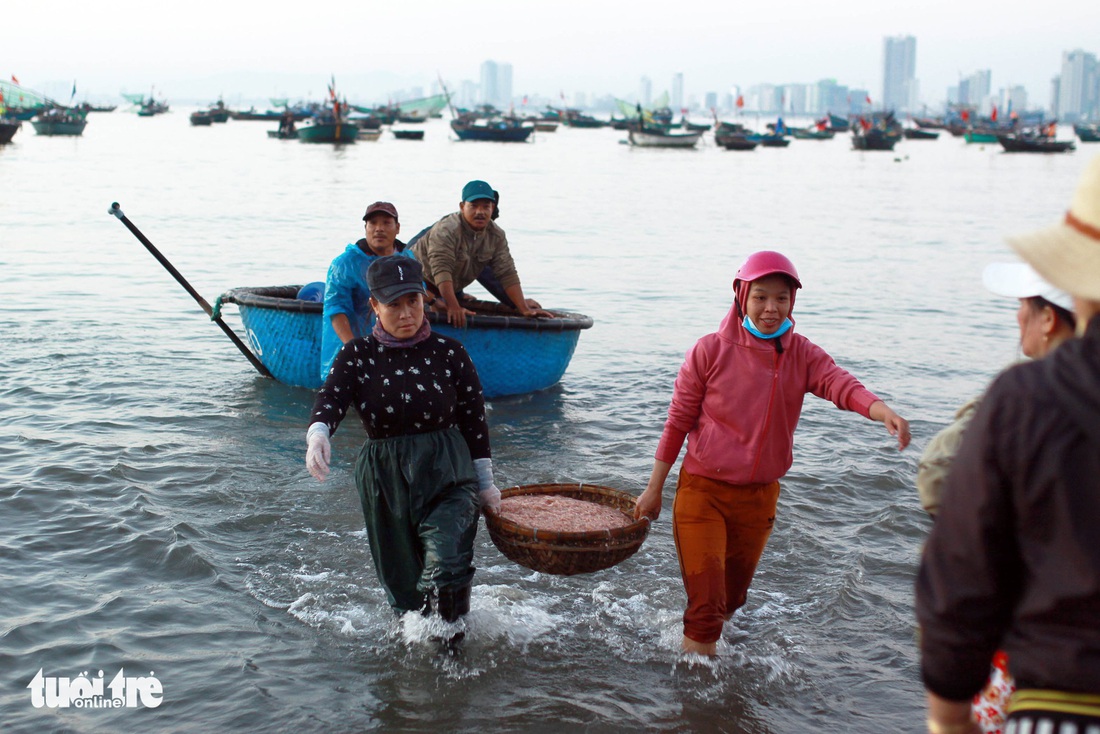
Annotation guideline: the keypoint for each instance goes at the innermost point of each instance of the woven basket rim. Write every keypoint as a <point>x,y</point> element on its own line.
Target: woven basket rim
<point>514,531</point>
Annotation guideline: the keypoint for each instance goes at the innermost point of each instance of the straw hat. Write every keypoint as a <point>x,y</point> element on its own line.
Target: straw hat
<point>1068,254</point>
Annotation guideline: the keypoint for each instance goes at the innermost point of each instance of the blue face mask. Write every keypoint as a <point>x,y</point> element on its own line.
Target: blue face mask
<point>783,329</point>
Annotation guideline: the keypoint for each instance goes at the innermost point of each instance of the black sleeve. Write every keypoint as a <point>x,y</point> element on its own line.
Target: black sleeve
<point>334,397</point>
<point>470,404</point>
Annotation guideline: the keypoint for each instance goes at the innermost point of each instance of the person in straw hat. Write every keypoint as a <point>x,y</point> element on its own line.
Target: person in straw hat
<point>1013,560</point>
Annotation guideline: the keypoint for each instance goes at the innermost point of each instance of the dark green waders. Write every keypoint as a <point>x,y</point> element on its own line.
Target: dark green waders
<point>420,503</point>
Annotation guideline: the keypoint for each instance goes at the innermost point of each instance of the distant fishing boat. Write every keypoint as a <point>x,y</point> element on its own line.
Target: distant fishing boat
<point>981,135</point>
<point>58,121</point>
<point>408,134</point>
<point>328,131</point>
<point>1034,144</point>
<point>202,118</point>
<point>917,133</point>
<point>1088,133</point>
<point>500,131</point>
<point>8,128</point>
<point>330,124</point>
<point>881,132</point>
<point>650,138</point>
<point>734,136</point>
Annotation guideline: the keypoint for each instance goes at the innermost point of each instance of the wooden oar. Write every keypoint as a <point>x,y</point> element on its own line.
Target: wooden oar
<point>116,211</point>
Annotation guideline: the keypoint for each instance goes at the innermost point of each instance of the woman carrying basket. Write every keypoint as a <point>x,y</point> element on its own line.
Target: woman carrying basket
<point>425,467</point>
<point>738,397</point>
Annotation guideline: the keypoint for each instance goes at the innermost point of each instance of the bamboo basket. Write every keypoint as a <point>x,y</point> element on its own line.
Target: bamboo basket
<point>562,553</point>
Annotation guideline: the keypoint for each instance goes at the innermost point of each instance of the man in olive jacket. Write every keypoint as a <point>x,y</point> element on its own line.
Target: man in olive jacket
<point>456,250</point>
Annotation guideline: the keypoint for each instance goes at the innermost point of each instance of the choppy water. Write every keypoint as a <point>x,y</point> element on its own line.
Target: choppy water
<point>156,513</point>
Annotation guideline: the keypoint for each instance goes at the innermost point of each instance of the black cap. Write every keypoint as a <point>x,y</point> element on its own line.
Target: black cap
<point>393,276</point>
<point>381,207</point>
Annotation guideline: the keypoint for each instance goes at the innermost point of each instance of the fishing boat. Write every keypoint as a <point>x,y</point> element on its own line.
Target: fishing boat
<point>59,121</point>
<point>322,131</point>
<point>330,124</point>
<point>1087,133</point>
<point>734,136</point>
<point>771,140</point>
<point>930,123</point>
<point>498,130</point>
<point>152,107</point>
<point>283,133</point>
<point>513,354</point>
<point>408,134</point>
<point>252,114</point>
<point>920,133</point>
<point>369,135</point>
<point>88,107</point>
<point>806,133</point>
<point>981,135</point>
<point>546,126</point>
<point>218,112</point>
<point>8,127</point>
<point>576,118</point>
<point>651,138</point>
<point>874,140</point>
<point>202,117</point>
<point>1034,144</point>
<point>881,132</point>
<point>839,124</point>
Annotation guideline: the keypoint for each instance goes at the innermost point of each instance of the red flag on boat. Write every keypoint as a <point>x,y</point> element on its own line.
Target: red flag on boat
<point>994,115</point>
<point>966,115</point>
<point>14,79</point>
<point>868,99</point>
<point>740,101</point>
<point>864,124</point>
<point>525,100</point>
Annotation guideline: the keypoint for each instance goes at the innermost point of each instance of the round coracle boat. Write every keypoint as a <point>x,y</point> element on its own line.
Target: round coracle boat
<point>568,553</point>
<point>513,354</point>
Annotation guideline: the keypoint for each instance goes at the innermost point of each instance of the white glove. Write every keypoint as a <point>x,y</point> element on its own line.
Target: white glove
<point>487,491</point>
<point>319,452</point>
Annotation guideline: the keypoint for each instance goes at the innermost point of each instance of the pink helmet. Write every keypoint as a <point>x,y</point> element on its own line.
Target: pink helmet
<point>758,265</point>
<point>766,262</point>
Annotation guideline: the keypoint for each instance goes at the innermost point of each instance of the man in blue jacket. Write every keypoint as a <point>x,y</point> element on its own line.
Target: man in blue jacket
<point>347,313</point>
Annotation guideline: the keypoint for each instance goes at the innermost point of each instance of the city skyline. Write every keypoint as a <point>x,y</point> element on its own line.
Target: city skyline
<point>204,49</point>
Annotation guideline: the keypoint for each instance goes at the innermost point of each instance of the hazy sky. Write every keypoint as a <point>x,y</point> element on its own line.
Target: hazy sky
<point>282,48</point>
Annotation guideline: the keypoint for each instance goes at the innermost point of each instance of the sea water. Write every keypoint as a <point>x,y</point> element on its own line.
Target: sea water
<point>158,519</point>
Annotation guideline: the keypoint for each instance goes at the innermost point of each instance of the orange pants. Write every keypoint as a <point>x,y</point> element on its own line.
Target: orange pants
<point>720,530</point>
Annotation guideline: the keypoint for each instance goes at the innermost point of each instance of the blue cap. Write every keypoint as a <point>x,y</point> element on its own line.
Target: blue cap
<point>478,190</point>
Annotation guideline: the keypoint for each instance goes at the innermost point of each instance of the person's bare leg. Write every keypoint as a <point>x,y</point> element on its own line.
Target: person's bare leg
<point>709,649</point>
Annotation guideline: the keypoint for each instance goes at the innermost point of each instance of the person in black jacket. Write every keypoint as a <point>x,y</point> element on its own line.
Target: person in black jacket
<point>425,469</point>
<point>1013,560</point>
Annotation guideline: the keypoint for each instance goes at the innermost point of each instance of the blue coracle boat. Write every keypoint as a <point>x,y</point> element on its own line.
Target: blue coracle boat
<point>513,354</point>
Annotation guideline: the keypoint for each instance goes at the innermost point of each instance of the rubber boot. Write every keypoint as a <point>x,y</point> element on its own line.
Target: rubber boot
<point>453,602</point>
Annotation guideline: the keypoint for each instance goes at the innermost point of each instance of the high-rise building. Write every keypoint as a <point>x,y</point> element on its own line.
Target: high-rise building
<point>677,101</point>
<point>1012,99</point>
<point>645,91</point>
<point>899,74</point>
<point>975,89</point>
<point>1078,87</point>
<point>496,84</point>
<point>831,98</point>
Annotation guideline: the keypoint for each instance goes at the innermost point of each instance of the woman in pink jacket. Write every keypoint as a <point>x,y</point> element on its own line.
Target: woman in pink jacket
<point>739,396</point>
